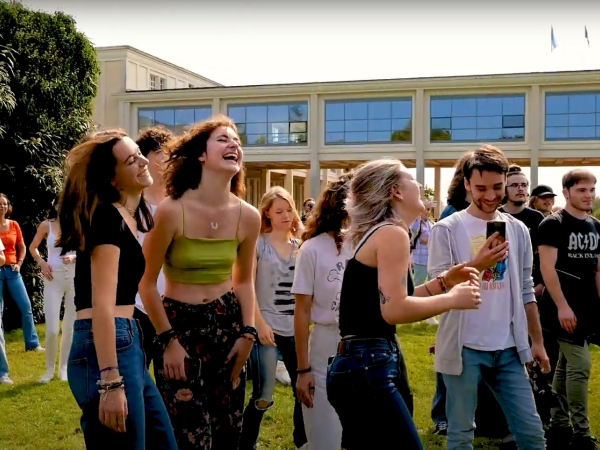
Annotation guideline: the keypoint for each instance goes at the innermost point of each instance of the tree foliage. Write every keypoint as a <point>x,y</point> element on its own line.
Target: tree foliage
<point>51,70</point>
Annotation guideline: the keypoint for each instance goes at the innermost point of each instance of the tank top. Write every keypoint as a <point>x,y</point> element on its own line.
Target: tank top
<point>360,310</point>
<point>201,260</point>
<point>54,251</point>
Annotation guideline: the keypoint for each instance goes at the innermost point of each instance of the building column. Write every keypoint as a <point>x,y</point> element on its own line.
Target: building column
<point>216,106</point>
<point>265,182</point>
<point>314,127</point>
<point>437,188</point>
<point>419,134</point>
<point>288,183</point>
<point>125,119</point>
<point>534,122</point>
<point>324,179</point>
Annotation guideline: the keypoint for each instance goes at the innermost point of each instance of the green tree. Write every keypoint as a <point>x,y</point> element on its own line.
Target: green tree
<point>53,81</point>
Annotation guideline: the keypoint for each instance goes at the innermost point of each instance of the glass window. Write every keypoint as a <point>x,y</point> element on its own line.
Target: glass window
<point>271,124</point>
<point>164,117</point>
<point>477,118</point>
<point>370,120</point>
<point>572,115</point>
<point>178,120</point>
<point>184,116</point>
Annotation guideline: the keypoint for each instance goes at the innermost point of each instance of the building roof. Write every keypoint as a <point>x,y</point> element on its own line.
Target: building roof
<point>159,60</point>
<point>480,78</point>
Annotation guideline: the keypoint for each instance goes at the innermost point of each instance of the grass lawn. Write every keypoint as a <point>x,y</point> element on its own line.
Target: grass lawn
<point>44,417</point>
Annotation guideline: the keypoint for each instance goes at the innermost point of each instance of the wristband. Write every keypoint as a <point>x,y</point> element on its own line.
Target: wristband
<point>164,339</point>
<point>251,331</point>
<point>440,279</point>
<point>108,369</point>
<point>307,370</point>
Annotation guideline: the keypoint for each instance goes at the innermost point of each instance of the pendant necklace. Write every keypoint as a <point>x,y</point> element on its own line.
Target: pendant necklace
<point>213,223</point>
<point>131,211</point>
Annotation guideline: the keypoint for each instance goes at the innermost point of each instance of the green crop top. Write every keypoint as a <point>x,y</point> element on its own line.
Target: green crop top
<point>201,260</point>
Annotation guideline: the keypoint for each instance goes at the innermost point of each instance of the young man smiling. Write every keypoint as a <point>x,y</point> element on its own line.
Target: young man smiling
<point>491,343</point>
<point>570,265</point>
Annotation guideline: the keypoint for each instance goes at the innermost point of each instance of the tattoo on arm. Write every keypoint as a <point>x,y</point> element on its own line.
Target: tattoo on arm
<point>383,299</point>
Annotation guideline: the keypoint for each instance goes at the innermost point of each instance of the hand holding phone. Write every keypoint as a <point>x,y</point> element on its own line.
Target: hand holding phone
<point>495,248</point>
<point>496,227</point>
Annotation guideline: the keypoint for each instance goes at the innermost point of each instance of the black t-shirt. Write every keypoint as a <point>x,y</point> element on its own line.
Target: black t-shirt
<point>532,219</point>
<point>576,241</point>
<point>109,228</point>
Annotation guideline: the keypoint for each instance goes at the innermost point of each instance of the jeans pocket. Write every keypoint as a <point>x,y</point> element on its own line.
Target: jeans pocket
<point>123,340</point>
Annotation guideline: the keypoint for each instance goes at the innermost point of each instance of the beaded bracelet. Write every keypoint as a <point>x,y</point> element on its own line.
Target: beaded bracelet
<point>109,383</point>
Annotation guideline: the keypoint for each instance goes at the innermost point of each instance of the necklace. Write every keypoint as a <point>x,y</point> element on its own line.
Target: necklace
<point>131,211</point>
<point>213,223</point>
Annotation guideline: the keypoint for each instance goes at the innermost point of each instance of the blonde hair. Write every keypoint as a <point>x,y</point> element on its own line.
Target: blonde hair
<point>370,196</point>
<point>265,204</point>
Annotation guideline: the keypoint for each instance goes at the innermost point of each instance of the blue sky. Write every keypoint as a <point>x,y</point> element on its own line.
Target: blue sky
<point>284,41</point>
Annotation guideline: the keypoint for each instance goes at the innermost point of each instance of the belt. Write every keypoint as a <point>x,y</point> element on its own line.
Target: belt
<point>346,345</point>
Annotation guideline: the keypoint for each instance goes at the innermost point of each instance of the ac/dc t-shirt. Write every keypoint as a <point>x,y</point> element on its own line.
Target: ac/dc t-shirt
<point>576,241</point>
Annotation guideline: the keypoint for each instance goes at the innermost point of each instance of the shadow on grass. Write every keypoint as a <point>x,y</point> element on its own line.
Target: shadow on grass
<point>19,389</point>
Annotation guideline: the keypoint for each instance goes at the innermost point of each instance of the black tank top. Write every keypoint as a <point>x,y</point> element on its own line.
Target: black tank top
<point>360,310</point>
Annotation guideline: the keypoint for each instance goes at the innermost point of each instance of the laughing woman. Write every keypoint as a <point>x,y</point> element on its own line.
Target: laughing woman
<point>205,236</point>
<point>100,215</point>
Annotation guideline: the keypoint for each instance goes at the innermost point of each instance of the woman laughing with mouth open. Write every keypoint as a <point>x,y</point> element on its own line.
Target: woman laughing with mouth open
<point>205,238</point>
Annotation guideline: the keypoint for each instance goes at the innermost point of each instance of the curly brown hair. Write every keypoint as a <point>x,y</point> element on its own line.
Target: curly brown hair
<point>330,212</point>
<point>153,139</point>
<point>183,169</point>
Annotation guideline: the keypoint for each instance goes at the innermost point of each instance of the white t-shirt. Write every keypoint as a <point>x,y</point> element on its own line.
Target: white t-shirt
<point>490,327</point>
<point>319,272</point>
<point>160,282</point>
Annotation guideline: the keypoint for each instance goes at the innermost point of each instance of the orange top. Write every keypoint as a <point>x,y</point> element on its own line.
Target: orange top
<point>11,239</point>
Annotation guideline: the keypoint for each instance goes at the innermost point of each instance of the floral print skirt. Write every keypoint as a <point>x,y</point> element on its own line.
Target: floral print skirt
<point>206,410</point>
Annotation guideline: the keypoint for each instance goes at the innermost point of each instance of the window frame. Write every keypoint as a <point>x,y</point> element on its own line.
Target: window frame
<point>477,129</point>
<point>173,108</point>
<point>368,120</point>
<point>567,127</point>
<point>268,136</point>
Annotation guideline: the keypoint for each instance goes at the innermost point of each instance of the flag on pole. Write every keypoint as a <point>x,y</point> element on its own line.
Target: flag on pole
<point>553,44</point>
<point>587,37</point>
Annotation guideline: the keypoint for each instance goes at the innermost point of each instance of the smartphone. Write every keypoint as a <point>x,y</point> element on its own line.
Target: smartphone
<point>500,228</point>
<point>193,367</point>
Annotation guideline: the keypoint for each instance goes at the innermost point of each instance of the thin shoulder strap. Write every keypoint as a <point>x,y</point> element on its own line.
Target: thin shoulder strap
<point>368,235</point>
<point>239,220</point>
<point>182,219</point>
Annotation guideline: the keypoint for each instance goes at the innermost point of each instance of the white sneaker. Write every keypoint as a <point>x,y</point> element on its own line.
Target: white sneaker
<point>282,374</point>
<point>48,375</point>
<point>5,380</point>
<point>39,348</point>
<point>62,375</point>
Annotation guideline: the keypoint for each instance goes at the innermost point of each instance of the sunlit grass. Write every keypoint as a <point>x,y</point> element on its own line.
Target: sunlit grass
<point>46,417</point>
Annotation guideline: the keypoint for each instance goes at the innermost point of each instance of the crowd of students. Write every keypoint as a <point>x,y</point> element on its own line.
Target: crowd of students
<point>159,259</point>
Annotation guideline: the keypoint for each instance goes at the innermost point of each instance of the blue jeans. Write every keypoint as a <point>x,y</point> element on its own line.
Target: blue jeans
<point>263,360</point>
<point>16,288</point>
<point>438,405</point>
<point>503,372</point>
<point>368,387</point>
<point>147,420</point>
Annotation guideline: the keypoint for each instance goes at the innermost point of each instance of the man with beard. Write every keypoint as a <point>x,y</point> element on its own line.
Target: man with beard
<point>490,344</point>
<point>570,266</point>
<point>516,198</point>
